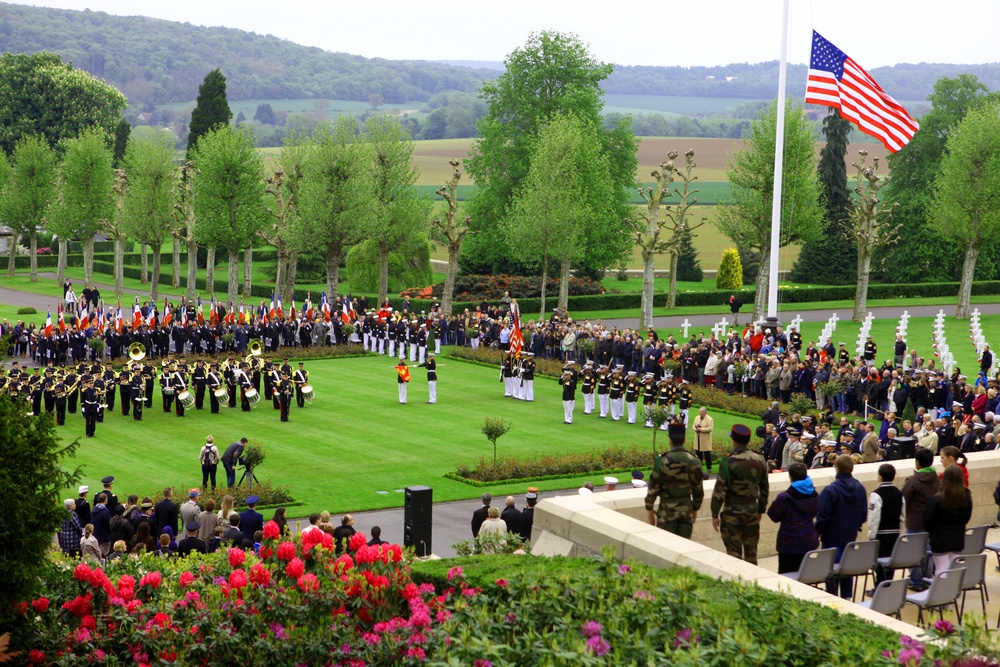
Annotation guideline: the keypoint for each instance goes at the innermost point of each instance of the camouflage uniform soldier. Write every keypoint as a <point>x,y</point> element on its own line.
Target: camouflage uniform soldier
<point>742,488</point>
<point>677,481</point>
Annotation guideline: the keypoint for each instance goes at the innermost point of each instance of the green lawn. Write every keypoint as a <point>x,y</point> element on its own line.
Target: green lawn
<point>661,285</point>
<point>356,439</point>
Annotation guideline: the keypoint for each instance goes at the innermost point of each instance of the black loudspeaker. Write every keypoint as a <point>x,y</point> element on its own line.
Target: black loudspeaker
<point>418,536</point>
<point>418,504</point>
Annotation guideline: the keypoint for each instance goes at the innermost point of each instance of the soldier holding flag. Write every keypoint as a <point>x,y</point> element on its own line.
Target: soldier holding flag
<point>403,377</point>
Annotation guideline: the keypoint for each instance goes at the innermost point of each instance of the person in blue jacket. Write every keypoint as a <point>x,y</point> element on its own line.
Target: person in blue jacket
<point>843,507</point>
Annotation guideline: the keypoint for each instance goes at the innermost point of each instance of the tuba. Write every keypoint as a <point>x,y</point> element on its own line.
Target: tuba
<point>136,351</point>
<point>253,359</point>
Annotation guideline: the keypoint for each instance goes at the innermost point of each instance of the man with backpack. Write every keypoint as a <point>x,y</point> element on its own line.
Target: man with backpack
<point>209,458</point>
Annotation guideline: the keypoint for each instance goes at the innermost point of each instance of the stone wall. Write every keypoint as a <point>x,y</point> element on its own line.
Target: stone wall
<point>576,525</point>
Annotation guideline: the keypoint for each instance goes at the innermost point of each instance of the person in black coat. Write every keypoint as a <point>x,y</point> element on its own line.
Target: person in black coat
<point>250,519</point>
<point>511,516</point>
<point>480,514</point>
<point>528,513</point>
<point>946,515</point>
<point>166,513</point>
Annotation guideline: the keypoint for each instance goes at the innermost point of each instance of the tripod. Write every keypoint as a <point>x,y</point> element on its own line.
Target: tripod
<point>244,476</point>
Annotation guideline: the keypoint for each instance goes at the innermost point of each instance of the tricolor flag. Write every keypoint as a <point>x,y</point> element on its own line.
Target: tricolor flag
<point>82,319</point>
<point>167,315</point>
<point>308,306</point>
<point>280,310</point>
<point>136,315</point>
<point>271,312</point>
<point>118,318</point>
<point>184,314</point>
<point>262,311</point>
<point>291,313</point>
<point>835,80</point>
<point>62,323</point>
<point>201,314</point>
<point>243,317</point>
<point>516,339</point>
<point>48,323</point>
<point>325,305</point>
<point>345,314</point>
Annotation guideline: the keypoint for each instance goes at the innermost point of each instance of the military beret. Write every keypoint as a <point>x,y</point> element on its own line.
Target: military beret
<point>676,431</point>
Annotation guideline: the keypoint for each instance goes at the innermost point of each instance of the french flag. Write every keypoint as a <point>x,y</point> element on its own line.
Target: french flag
<point>136,315</point>
<point>167,315</point>
<point>292,312</point>
<point>345,314</point>
<point>119,320</point>
<point>280,310</point>
<point>270,312</point>
<point>62,323</point>
<point>201,314</point>
<point>325,305</point>
<point>308,307</point>
<point>48,323</point>
<point>82,320</point>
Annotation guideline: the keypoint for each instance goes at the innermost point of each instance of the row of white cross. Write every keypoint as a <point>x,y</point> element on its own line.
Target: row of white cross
<point>866,327</point>
<point>976,334</point>
<point>940,344</point>
<point>829,328</point>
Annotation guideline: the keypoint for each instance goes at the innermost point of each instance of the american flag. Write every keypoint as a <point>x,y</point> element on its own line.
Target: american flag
<point>516,339</point>
<point>835,80</point>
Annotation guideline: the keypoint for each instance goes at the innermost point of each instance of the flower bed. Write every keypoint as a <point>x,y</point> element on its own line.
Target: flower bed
<point>555,465</point>
<point>472,287</point>
<point>268,495</point>
<point>299,604</point>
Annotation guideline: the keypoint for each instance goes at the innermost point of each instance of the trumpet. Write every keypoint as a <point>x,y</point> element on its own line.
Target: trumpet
<point>136,352</point>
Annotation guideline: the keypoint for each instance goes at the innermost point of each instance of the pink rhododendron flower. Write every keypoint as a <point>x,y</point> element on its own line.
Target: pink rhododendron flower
<point>271,530</point>
<point>186,579</point>
<point>295,568</point>
<point>286,551</point>
<point>237,557</point>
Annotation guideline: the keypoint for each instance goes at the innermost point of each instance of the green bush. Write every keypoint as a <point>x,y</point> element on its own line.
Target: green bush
<point>409,265</point>
<point>269,494</point>
<point>558,464</point>
<point>730,274</point>
<point>27,310</point>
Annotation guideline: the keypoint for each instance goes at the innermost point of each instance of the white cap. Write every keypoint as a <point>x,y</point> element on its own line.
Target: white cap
<point>584,491</point>
<point>610,480</point>
<point>84,489</point>
<point>638,483</point>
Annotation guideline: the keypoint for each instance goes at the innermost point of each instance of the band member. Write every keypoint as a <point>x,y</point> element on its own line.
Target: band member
<point>60,398</point>
<point>148,378</point>
<point>214,382</point>
<point>229,371</point>
<point>138,395</point>
<point>90,408</point>
<point>101,388</point>
<point>284,394</point>
<point>242,375</point>
<point>269,379</point>
<point>167,390</point>
<point>275,383</point>
<point>48,390</point>
<point>301,379</point>
<point>125,390</point>
<point>180,385</point>
<point>71,381</point>
<point>109,387</point>
<point>200,379</point>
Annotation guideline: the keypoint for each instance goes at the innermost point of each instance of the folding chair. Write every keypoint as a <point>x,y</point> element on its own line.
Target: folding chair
<point>888,597</point>
<point>816,567</point>
<point>858,558</point>
<point>943,591</point>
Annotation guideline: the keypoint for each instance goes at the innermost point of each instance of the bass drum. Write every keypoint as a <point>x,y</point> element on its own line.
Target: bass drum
<point>186,399</point>
<point>253,397</point>
<point>221,395</point>
<point>308,393</point>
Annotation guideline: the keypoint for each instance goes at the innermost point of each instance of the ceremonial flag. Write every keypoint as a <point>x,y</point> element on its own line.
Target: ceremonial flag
<point>48,323</point>
<point>326,308</point>
<point>270,313</point>
<point>308,306</point>
<point>280,310</point>
<point>136,315</point>
<point>151,315</point>
<point>184,314</point>
<point>82,319</point>
<point>345,314</point>
<point>262,312</point>
<point>835,80</point>
<point>167,315</point>
<point>404,372</point>
<point>291,314</point>
<point>243,316</point>
<point>62,323</point>
<point>213,314</point>
<point>118,318</point>
<point>201,315</point>
<point>516,339</point>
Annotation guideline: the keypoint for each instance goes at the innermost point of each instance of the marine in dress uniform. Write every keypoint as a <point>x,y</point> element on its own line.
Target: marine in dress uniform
<point>432,377</point>
<point>616,394</point>
<point>568,381</point>
<point>528,376</point>
<point>603,387</point>
<point>588,381</point>
<point>632,388</point>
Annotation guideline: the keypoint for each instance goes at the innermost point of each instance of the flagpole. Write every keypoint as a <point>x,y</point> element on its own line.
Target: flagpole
<point>779,151</point>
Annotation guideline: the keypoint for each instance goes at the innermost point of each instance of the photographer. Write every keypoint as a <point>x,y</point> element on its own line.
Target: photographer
<point>230,458</point>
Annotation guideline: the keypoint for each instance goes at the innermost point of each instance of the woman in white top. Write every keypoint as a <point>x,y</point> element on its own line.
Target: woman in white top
<point>89,548</point>
<point>494,525</point>
<point>70,300</point>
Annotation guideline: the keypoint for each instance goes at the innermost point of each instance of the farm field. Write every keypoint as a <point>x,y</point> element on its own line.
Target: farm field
<point>355,448</point>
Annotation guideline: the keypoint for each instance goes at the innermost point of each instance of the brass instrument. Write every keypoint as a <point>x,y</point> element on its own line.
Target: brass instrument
<point>256,348</point>
<point>136,352</point>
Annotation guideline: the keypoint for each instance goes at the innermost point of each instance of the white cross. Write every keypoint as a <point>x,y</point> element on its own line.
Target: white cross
<point>975,313</point>
<point>719,330</point>
<point>686,325</point>
<point>797,322</point>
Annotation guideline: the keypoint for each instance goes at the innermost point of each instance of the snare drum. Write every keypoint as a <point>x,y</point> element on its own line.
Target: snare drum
<point>186,399</point>
<point>253,396</point>
<point>221,395</point>
<point>308,393</point>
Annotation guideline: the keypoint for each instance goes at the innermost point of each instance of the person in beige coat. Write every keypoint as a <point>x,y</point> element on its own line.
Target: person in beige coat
<point>869,446</point>
<point>703,425</point>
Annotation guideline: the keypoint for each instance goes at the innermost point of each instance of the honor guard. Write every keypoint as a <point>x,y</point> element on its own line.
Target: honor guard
<point>528,376</point>
<point>603,386</point>
<point>588,380</point>
<point>432,377</point>
<point>616,394</point>
<point>568,380</point>
<point>684,399</point>
<point>632,388</point>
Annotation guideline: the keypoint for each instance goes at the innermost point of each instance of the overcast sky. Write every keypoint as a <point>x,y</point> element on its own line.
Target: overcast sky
<point>709,32</point>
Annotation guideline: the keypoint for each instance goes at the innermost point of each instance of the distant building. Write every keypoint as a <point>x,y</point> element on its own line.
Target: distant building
<point>6,238</point>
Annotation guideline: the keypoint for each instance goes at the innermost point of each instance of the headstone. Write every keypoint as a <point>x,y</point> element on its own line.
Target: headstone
<point>686,325</point>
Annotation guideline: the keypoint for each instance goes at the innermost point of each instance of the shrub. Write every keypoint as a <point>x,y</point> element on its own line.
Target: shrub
<point>559,464</point>
<point>476,288</point>
<point>730,274</point>
<point>269,495</point>
<point>27,310</point>
<point>409,264</point>
<point>688,266</point>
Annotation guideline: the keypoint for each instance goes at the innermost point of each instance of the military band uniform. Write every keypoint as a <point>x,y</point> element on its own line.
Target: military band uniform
<point>589,381</point>
<point>60,393</point>
<point>180,386</point>
<point>125,391</point>
<point>200,379</point>
<point>138,400</point>
<point>568,381</point>
<point>431,366</point>
<point>301,379</point>
<point>214,382</point>
<point>740,497</point>
<point>90,409</point>
<point>284,392</point>
<point>676,480</point>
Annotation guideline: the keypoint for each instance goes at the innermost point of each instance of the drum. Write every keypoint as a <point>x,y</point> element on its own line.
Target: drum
<point>186,398</point>
<point>253,396</point>
<point>222,395</point>
<point>168,391</point>
<point>308,394</point>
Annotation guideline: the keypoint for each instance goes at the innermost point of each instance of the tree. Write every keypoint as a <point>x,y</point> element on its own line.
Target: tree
<point>922,254</point>
<point>122,132</point>
<point>28,193</point>
<point>398,213</point>
<point>967,204</point>
<point>562,195</point>
<point>151,196</point>
<point>495,428</point>
<point>228,195</point>
<point>730,274</point>
<point>688,265</point>
<point>39,467</point>
<point>552,73</point>
<point>185,228</point>
<point>240,118</point>
<point>868,226</point>
<point>746,217</point>
<point>40,95</point>
<point>375,100</point>
<point>827,260</point>
<point>116,230</point>
<point>210,111</point>
<point>335,201</point>
<point>265,114</point>
<point>85,189</point>
<point>453,230</point>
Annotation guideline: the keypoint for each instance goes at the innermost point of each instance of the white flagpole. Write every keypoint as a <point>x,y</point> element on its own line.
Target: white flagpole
<point>779,150</point>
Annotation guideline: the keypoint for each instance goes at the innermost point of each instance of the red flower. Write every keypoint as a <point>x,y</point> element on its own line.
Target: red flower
<point>186,579</point>
<point>271,530</point>
<point>286,550</point>
<point>236,557</point>
<point>357,541</point>
<point>133,606</point>
<point>238,579</point>
<point>82,572</point>
<point>80,605</point>
<point>308,582</point>
<point>161,619</point>
<point>98,578</point>
<point>266,551</point>
<point>88,622</point>
<point>40,605</point>
<point>151,579</point>
<point>410,591</point>
<point>295,568</point>
<point>36,657</point>
<point>260,575</point>
<point>502,583</point>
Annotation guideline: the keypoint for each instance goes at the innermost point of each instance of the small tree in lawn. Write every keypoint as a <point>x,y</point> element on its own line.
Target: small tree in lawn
<point>730,274</point>
<point>493,428</point>
<point>253,457</point>
<point>657,415</point>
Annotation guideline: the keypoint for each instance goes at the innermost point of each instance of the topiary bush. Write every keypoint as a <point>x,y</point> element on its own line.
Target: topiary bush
<point>730,274</point>
<point>27,310</point>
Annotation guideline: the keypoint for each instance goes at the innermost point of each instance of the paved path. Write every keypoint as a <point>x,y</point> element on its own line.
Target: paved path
<point>41,302</point>
<point>845,315</point>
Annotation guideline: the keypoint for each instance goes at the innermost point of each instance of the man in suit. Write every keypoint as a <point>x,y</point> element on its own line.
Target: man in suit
<point>191,543</point>
<point>233,534</point>
<point>250,519</point>
<point>479,516</point>
<point>166,512</point>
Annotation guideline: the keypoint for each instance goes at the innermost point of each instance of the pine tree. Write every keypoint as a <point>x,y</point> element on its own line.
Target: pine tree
<point>830,259</point>
<point>240,118</point>
<point>122,133</point>
<point>730,275</point>
<point>688,266</point>
<point>211,111</point>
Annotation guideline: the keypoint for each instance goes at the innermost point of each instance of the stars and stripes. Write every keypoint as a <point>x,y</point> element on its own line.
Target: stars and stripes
<point>516,337</point>
<point>835,80</point>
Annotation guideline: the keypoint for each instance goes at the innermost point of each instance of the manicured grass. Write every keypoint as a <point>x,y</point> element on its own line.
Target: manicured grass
<point>356,439</point>
<point>633,285</point>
